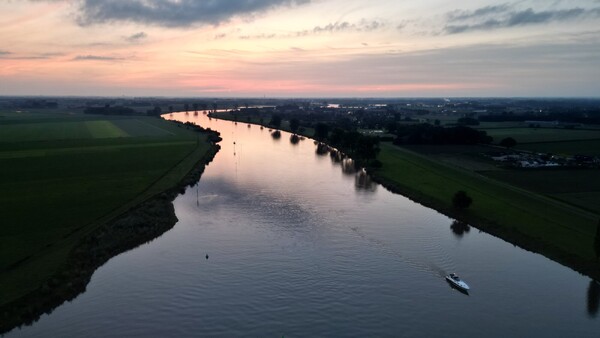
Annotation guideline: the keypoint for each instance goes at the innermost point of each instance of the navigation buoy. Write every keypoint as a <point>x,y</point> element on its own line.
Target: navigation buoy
<point>206,256</point>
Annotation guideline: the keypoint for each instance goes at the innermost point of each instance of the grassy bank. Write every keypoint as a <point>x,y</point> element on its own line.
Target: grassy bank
<point>558,230</point>
<point>63,188</point>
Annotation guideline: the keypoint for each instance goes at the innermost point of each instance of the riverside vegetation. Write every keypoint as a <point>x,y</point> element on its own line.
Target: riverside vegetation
<point>80,189</point>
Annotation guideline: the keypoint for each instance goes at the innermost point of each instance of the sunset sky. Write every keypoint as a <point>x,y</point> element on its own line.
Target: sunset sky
<point>302,48</point>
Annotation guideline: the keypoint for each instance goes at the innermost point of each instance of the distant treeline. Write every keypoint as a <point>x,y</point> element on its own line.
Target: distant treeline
<point>108,110</point>
<point>429,134</point>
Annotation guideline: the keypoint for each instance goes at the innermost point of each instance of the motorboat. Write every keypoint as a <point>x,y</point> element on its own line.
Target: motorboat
<point>454,280</point>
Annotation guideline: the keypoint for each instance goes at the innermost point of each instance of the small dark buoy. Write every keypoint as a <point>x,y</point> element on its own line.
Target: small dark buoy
<point>206,256</point>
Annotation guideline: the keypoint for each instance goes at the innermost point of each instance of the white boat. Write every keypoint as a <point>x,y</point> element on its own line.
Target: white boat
<point>456,281</point>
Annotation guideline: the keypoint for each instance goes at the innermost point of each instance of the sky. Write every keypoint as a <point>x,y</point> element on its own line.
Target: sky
<point>300,48</point>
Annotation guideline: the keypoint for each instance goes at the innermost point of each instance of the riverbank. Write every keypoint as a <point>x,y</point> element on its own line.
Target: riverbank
<point>89,246</point>
<point>531,221</point>
<point>536,223</point>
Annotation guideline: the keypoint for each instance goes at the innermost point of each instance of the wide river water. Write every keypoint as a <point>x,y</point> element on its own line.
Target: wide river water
<point>302,245</point>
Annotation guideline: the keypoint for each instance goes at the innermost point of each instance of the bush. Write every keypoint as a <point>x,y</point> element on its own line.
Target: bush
<point>461,200</point>
<point>376,164</point>
<point>508,142</point>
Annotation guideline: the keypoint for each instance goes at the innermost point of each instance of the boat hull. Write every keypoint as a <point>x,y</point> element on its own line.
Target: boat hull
<point>458,284</point>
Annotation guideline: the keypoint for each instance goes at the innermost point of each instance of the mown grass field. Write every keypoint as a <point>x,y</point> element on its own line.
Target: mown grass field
<point>585,147</point>
<point>62,176</point>
<point>529,135</point>
<point>547,220</point>
<point>580,187</point>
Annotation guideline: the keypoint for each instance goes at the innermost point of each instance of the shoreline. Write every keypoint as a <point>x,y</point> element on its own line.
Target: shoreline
<point>137,226</point>
<point>510,235</point>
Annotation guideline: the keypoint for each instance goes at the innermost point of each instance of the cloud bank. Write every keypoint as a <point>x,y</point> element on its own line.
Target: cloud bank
<point>96,58</point>
<point>173,13</point>
<point>506,15</point>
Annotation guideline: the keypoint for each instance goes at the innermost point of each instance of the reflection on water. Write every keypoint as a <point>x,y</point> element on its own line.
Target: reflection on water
<point>294,139</point>
<point>348,166</point>
<point>593,298</point>
<point>322,149</point>
<point>336,156</point>
<point>460,228</point>
<point>362,181</point>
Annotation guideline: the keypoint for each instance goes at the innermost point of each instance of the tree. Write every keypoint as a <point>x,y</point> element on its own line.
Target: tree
<point>294,125</point>
<point>321,131</point>
<point>275,120</point>
<point>597,241</point>
<point>508,142</point>
<point>461,200</point>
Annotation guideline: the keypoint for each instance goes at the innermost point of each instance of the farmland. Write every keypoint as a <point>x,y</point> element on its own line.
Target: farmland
<point>63,176</point>
<point>529,135</point>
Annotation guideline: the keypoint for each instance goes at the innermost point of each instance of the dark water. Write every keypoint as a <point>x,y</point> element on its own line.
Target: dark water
<point>301,245</point>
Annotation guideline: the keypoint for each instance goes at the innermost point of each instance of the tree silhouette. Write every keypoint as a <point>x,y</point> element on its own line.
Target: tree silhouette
<point>461,200</point>
<point>459,228</point>
<point>294,139</point>
<point>275,120</point>
<point>294,125</point>
<point>508,142</point>
<point>597,241</point>
<point>321,131</point>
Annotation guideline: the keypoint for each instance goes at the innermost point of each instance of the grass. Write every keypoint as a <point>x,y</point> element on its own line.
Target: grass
<point>578,187</point>
<point>529,135</point>
<point>547,221</point>
<point>61,179</point>
<point>585,147</point>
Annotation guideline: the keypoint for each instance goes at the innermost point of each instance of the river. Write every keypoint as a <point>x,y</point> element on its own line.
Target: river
<point>276,240</point>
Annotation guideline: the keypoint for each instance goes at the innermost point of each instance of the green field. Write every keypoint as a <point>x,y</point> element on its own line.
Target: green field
<point>62,176</point>
<point>585,147</point>
<point>548,221</point>
<point>578,187</point>
<point>528,135</point>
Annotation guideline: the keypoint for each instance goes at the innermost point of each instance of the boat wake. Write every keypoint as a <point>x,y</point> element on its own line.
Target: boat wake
<point>423,265</point>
